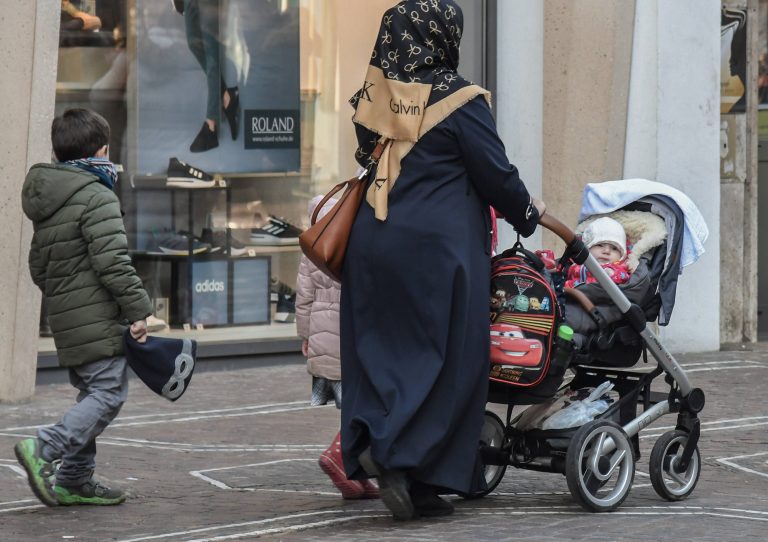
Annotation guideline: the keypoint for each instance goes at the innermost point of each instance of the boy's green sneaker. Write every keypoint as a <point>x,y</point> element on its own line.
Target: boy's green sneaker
<point>91,492</point>
<point>39,472</point>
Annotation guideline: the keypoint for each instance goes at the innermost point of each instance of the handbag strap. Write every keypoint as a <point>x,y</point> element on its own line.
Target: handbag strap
<point>378,150</point>
<point>372,161</point>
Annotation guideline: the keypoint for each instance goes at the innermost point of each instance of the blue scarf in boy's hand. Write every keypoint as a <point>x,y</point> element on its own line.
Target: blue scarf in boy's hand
<point>101,167</point>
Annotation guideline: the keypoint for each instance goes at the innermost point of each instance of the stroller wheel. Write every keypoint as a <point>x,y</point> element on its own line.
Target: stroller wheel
<point>666,479</point>
<point>599,466</point>
<point>491,441</point>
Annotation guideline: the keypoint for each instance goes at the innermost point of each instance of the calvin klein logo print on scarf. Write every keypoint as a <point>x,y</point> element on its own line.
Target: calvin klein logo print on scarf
<point>417,41</point>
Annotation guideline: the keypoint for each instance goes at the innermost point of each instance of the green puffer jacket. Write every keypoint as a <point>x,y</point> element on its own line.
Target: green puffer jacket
<point>79,259</point>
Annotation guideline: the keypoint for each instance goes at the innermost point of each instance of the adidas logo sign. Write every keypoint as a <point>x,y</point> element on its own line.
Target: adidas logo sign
<point>209,286</point>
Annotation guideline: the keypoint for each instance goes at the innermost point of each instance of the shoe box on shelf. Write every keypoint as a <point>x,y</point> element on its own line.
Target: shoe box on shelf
<point>197,249</point>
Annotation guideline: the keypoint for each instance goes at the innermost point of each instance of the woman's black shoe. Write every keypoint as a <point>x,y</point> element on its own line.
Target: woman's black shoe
<point>205,140</point>
<point>426,502</point>
<point>232,111</point>
<point>393,487</point>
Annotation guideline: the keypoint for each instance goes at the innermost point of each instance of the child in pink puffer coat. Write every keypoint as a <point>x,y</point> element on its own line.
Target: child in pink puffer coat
<point>317,323</point>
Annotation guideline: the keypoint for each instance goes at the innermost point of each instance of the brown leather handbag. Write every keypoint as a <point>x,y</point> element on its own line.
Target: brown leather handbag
<point>325,241</point>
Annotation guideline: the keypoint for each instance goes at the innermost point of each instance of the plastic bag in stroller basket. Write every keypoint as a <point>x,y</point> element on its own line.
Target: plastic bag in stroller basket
<point>525,313</point>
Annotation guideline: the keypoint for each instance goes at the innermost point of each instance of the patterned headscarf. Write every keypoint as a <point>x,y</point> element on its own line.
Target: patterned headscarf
<point>411,85</point>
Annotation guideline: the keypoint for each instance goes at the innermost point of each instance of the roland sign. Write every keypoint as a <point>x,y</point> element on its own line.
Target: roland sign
<point>272,129</point>
<point>274,125</point>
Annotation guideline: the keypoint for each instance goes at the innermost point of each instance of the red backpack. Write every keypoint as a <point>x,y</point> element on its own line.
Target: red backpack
<point>525,314</point>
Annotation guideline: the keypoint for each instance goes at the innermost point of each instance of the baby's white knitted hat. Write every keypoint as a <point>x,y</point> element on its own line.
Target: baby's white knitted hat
<point>606,230</point>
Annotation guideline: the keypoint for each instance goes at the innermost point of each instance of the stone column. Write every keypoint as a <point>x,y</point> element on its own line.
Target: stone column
<point>749,266</point>
<point>673,136</point>
<point>28,58</point>
<point>739,197</point>
<point>588,54</point>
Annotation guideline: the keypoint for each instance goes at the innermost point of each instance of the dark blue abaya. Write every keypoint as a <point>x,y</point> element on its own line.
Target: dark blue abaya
<point>414,304</point>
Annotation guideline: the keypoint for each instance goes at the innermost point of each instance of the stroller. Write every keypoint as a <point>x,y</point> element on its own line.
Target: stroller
<point>598,457</point>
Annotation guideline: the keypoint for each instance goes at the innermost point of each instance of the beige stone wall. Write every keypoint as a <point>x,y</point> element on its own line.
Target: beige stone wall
<point>28,53</point>
<point>587,60</point>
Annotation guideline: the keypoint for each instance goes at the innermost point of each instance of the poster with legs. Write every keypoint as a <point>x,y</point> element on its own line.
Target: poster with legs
<point>217,85</point>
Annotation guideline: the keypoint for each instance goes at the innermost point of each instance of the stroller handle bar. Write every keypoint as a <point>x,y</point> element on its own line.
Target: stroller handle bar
<point>558,228</point>
<point>633,313</point>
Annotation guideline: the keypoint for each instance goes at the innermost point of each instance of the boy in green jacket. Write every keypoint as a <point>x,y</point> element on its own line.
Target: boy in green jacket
<point>79,259</point>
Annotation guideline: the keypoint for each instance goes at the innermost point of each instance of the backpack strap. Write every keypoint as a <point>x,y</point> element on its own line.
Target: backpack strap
<point>517,248</point>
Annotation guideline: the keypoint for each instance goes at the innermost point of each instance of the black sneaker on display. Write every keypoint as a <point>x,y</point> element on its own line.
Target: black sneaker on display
<point>177,244</point>
<point>183,175</point>
<point>277,287</point>
<point>285,297</point>
<point>205,140</point>
<point>218,239</point>
<point>277,231</point>
<point>285,311</point>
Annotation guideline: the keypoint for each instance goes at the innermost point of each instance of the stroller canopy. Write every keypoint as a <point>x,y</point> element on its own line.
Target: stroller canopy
<point>686,229</point>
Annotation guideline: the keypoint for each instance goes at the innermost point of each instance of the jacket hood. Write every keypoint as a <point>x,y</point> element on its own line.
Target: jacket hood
<point>49,186</point>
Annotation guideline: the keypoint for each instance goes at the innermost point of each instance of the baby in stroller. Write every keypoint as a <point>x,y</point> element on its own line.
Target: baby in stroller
<point>635,274</point>
<point>664,232</point>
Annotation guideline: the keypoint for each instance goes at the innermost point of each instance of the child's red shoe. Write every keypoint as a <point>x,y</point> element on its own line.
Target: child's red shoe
<point>331,463</point>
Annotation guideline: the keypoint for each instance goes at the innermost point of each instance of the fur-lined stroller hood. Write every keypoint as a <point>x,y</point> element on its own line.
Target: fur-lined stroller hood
<point>645,232</point>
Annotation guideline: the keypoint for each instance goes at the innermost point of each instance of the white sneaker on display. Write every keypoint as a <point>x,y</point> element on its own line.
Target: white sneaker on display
<point>155,324</point>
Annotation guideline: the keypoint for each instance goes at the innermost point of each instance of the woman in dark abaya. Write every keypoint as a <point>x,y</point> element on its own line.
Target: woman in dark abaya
<point>414,307</point>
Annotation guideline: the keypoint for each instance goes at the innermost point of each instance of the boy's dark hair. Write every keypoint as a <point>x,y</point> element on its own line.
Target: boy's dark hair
<point>78,133</point>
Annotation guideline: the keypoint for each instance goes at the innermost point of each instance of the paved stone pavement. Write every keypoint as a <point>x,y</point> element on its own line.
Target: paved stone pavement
<point>235,459</point>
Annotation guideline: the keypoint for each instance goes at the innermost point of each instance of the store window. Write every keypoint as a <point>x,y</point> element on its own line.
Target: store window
<point>762,75</point>
<point>762,171</point>
<point>227,117</point>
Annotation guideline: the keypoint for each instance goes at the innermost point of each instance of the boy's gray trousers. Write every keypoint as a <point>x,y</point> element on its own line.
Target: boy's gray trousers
<point>103,389</point>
